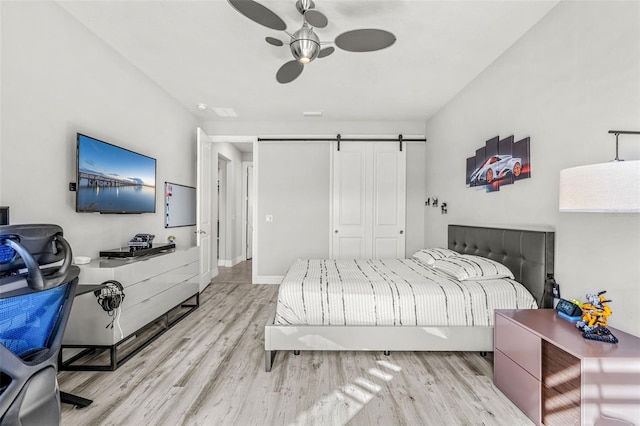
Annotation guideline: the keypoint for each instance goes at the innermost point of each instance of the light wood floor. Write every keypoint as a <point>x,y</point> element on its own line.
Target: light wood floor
<point>209,370</point>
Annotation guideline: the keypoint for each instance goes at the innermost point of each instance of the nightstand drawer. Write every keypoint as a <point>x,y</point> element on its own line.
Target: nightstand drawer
<point>519,344</point>
<point>522,388</point>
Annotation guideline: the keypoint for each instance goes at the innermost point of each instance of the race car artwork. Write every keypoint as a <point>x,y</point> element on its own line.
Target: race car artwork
<point>495,168</point>
<point>501,161</point>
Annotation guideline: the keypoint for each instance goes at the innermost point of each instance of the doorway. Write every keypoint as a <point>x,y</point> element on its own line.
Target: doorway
<point>235,172</point>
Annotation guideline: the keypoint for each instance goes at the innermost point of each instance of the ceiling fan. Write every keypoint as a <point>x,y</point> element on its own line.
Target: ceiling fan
<point>304,43</point>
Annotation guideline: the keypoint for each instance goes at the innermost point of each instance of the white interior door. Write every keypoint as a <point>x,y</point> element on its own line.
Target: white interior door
<point>203,201</point>
<point>249,238</point>
<point>389,200</point>
<point>247,210</point>
<point>350,239</point>
<point>368,201</point>
<point>224,237</point>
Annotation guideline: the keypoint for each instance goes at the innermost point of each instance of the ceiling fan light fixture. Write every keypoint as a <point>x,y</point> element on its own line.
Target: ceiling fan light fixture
<point>305,44</point>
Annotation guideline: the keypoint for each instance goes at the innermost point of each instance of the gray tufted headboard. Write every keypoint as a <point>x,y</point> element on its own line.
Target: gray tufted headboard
<point>527,253</point>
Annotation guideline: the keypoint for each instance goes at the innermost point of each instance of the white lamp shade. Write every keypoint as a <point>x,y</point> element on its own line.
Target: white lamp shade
<point>607,187</point>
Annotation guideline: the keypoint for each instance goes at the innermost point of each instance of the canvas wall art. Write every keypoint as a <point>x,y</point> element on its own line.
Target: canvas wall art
<point>499,162</point>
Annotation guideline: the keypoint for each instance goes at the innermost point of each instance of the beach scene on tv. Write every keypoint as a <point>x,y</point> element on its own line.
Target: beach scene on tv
<point>114,180</point>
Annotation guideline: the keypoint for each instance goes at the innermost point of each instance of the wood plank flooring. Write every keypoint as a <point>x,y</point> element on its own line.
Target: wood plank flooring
<point>209,370</point>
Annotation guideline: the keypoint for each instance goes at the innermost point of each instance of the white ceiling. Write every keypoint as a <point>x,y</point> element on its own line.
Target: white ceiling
<point>206,52</point>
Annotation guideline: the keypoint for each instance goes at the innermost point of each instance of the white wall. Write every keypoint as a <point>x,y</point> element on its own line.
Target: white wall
<point>565,83</point>
<point>293,180</point>
<point>58,78</point>
<point>416,196</point>
<point>293,187</point>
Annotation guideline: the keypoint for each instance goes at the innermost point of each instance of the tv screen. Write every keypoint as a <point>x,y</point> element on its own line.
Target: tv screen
<point>113,179</point>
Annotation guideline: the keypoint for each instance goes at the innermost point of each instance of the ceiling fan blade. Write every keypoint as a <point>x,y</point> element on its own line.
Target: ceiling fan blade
<point>326,52</point>
<point>259,13</point>
<point>274,41</point>
<point>366,40</point>
<point>316,19</point>
<point>289,72</point>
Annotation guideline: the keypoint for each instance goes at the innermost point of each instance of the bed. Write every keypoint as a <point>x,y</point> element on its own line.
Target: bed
<point>410,321</point>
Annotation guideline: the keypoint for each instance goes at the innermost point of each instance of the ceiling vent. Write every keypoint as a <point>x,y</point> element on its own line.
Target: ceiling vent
<point>225,112</point>
<point>312,113</point>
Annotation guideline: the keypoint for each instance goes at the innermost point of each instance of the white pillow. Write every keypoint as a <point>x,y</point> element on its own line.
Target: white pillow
<point>470,267</point>
<point>428,256</point>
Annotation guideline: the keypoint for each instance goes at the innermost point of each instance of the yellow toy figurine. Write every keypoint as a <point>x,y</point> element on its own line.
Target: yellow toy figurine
<point>595,315</point>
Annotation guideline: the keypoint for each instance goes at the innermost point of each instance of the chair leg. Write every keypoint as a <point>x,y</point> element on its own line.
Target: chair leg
<point>77,401</point>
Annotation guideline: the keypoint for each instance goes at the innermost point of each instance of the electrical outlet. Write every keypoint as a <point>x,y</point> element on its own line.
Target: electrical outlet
<point>72,186</point>
<point>269,218</point>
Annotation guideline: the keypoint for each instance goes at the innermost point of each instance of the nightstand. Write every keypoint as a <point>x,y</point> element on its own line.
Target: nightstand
<point>555,376</point>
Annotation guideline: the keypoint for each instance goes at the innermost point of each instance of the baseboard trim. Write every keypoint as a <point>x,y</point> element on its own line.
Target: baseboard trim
<point>230,263</point>
<point>268,279</point>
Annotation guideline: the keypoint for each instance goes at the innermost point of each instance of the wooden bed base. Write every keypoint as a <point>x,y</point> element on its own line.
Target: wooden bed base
<point>372,338</point>
<point>529,254</point>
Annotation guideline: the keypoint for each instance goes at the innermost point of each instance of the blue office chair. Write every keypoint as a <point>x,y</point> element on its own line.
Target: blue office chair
<point>35,303</point>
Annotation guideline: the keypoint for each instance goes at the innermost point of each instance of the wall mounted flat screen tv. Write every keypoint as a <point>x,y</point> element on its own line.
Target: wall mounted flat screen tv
<point>113,180</point>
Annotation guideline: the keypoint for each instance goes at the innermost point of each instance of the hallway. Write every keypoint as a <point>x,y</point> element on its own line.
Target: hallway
<point>238,274</point>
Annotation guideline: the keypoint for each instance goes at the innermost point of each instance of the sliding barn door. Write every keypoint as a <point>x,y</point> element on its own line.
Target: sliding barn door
<point>351,208</point>
<point>368,201</point>
<point>389,200</point>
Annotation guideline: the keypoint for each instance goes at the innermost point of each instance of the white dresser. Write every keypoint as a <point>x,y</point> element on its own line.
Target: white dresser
<point>159,291</point>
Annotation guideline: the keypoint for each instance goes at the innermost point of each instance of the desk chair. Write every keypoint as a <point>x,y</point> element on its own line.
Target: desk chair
<point>35,304</point>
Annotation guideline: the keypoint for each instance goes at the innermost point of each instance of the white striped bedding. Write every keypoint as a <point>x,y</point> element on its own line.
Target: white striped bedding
<point>399,292</point>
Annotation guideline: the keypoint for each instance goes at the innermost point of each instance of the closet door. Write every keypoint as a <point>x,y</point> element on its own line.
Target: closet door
<point>369,201</point>
<point>389,200</point>
<point>351,216</point>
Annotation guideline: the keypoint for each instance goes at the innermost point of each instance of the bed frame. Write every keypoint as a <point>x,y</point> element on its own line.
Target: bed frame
<point>527,253</point>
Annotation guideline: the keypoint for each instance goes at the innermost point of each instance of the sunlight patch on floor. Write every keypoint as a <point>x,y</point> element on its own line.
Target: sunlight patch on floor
<point>338,407</point>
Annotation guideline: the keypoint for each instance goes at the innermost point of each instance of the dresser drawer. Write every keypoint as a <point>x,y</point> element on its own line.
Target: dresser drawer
<point>148,310</point>
<point>519,344</point>
<point>520,387</point>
